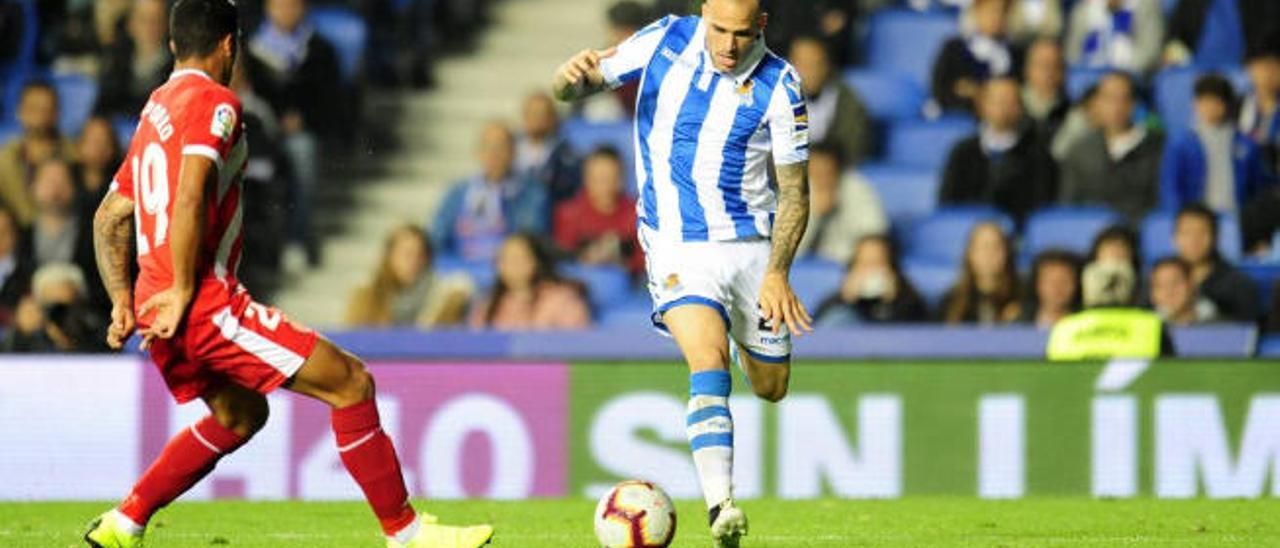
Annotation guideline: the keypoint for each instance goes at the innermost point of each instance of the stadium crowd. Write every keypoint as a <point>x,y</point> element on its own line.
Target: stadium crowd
<point>970,159</point>
<point>75,75</point>
<point>1045,177</point>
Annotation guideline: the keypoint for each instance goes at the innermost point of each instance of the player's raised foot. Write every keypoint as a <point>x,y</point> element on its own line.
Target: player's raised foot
<point>433,535</point>
<point>728,524</point>
<point>112,530</point>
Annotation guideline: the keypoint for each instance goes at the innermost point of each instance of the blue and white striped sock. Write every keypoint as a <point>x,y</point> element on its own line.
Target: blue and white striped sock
<point>710,429</point>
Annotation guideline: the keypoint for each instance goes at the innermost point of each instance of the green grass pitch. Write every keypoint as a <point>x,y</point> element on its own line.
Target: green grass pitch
<point>827,523</point>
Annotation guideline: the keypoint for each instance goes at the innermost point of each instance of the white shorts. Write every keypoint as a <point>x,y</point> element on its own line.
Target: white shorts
<point>724,276</point>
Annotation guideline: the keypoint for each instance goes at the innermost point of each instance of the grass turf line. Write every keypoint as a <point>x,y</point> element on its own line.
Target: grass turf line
<point>775,524</point>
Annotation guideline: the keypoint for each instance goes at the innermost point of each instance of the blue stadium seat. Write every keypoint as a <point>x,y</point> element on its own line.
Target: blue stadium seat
<point>905,192</point>
<point>76,97</point>
<point>9,130</point>
<point>634,312</point>
<point>906,42</point>
<point>941,237</point>
<point>1157,236</point>
<point>348,34</point>
<point>1265,275</point>
<point>931,279</point>
<point>606,285</point>
<point>1269,347</point>
<point>814,279</point>
<point>923,143</point>
<point>585,136</point>
<point>1070,228</point>
<point>1080,79</point>
<point>887,95</point>
<point>124,127</point>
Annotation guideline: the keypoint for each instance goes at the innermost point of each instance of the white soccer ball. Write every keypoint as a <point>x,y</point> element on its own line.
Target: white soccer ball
<point>635,514</point>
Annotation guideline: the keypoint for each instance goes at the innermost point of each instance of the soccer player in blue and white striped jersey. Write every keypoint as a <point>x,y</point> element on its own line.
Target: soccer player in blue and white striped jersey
<point>715,106</point>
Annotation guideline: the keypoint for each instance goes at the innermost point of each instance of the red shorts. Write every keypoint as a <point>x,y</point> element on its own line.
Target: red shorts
<point>228,338</point>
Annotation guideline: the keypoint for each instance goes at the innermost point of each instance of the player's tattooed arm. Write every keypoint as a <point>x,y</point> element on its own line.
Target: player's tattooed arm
<point>778,302</point>
<point>580,76</point>
<point>793,215</point>
<point>112,242</point>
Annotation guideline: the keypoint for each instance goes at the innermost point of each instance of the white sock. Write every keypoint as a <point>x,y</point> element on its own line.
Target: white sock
<point>123,521</point>
<point>404,536</point>
<point>710,429</point>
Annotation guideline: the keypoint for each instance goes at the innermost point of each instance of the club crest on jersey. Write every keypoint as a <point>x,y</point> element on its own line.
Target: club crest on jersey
<point>745,93</point>
<point>224,122</point>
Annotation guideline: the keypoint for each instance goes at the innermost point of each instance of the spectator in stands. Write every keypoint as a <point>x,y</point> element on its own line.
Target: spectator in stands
<point>843,208</point>
<point>59,234</point>
<point>38,115</point>
<point>831,22</point>
<point>598,226</point>
<point>1044,95</point>
<point>405,292</point>
<point>1081,121</point>
<point>137,63</point>
<point>1195,236</point>
<point>1118,164</point>
<point>268,179</point>
<point>1215,163</point>
<point>296,71</point>
<point>1109,327</point>
<point>1260,110</point>
<point>1218,33</point>
<point>528,293</point>
<point>981,52</point>
<point>542,153</point>
<point>1173,294</point>
<point>1002,165</point>
<point>1032,20</point>
<point>625,18</point>
<point>56,317</point>
<point>99,156</point>
<point>1055,287</point>
<point>874,289</point>
<point>479,212</point>
<point>15,266</point>
<point>1118,244</point>
<point>988,289</point>
<point>836,114</point>
<point>1122,35</point>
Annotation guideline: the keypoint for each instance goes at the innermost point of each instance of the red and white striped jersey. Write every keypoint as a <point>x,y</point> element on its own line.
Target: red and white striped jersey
<point>190,115</point>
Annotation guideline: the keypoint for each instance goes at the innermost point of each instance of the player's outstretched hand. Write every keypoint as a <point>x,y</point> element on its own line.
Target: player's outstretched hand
<point>780,306</point>
<point>169,306</point>
<point>583,67</point>
<point>122,323</point>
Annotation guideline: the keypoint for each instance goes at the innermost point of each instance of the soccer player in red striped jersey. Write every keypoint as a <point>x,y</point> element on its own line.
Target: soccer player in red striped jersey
<point>179,195</point>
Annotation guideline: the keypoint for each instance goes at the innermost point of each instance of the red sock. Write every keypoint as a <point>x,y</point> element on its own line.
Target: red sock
<point>187,458</point>
<point>371,459</point>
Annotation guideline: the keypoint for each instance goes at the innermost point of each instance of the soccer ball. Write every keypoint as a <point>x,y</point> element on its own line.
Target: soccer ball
<point>635,514</point>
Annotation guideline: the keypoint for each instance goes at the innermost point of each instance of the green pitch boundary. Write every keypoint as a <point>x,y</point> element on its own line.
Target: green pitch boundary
<point>775,524</point>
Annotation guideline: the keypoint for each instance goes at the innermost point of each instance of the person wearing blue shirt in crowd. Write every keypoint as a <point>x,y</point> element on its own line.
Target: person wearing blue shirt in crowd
<point>480,212</point>
<point>1214,163</point>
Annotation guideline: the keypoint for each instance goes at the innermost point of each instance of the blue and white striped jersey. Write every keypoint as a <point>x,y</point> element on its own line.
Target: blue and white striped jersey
<point>703,136</point>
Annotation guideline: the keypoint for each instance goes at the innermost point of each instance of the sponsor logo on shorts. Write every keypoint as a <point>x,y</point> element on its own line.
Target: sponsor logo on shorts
<point>672,283</point>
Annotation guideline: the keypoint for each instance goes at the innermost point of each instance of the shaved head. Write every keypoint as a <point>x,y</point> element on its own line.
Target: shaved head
<point>733,28</point>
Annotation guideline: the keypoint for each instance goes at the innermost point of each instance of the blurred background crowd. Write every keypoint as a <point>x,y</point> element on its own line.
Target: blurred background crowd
<point>971,159</point>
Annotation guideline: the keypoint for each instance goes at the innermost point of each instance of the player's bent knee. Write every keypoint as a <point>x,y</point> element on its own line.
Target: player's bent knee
<point>244,414</point>
<point>707,359</point>
<point>358,385</point>
<point>772,386</point>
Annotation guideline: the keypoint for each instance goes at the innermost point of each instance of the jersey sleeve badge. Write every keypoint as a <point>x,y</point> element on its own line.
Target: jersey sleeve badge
<point>224,122</point>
